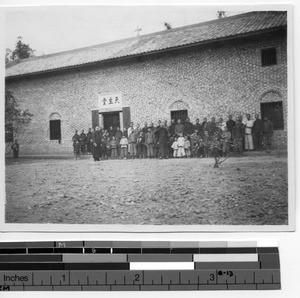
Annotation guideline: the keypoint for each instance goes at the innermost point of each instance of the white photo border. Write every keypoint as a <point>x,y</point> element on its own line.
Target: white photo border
<point>84,228</point>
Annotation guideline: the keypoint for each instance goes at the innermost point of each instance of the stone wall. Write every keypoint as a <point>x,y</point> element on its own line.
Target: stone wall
<point>212,80</point>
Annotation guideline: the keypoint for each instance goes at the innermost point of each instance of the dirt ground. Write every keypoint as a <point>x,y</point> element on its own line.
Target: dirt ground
<point>243,191</point>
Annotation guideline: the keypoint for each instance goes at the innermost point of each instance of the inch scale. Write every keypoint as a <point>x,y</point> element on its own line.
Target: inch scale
<point>138,266</point>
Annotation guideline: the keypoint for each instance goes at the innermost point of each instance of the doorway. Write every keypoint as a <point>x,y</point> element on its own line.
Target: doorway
<point>111,119</point>
<point>179,114</point>
<point>274,112</point>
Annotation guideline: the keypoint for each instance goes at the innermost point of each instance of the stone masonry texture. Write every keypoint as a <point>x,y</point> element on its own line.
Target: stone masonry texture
<point>212,80</point>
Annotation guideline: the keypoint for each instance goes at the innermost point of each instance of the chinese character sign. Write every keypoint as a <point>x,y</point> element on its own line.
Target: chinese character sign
<point>109,101</point>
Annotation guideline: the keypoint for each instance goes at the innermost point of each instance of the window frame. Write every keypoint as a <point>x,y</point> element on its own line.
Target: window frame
<point>266,59</point>
<point>55,137</point>
<point>178,111</point>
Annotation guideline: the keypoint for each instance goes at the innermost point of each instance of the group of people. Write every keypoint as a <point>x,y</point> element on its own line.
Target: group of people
<point>175,139</point>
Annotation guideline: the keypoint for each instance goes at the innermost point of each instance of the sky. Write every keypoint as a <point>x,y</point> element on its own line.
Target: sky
<point>51,29</point>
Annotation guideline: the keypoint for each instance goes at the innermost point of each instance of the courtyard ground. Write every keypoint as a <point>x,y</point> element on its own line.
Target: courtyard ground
<point>243,191</point>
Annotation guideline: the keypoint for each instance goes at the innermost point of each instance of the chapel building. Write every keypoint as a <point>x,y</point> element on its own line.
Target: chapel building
<point>235,65</point>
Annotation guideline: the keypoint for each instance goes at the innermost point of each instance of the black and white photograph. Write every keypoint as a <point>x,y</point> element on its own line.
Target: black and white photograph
<point>148,118</point>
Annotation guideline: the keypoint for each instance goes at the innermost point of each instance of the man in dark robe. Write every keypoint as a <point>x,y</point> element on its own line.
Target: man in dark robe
<point>89,141</point>
<point>145,128</point>
<point>166,125</point>
<point>152,127</point>
<point>188,127</point>
<point>197,126</point>
<point>162,136</point>
<point>257,132</point>
<point>238,134</point>
<point>156,144</point>
<point>82,141</point>
<point>230,125</point>
<point>172,128</point>
<point>75,140</point>
<point>97,139</point>
<point>212,126</point>
<point>204,127</point>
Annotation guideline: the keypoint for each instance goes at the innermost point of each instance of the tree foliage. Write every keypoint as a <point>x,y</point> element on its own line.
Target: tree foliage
<point>21,51</point>
<point>16,119</point>
<point>8,56</point>
<point>214,143</point>
<point>221,14</point>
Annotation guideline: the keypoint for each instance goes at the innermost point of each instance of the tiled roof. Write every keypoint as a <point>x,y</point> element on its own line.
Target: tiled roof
<point>165,40</point>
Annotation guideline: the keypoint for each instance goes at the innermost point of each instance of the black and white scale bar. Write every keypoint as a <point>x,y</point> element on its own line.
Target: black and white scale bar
<point>144,247</point>
<point>101,250</point>
<point>86,280</point>
<point>63,266</point>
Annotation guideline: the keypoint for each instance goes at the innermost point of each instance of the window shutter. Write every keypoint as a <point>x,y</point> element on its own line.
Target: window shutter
<point>126,117</point>
<point>95,118</point>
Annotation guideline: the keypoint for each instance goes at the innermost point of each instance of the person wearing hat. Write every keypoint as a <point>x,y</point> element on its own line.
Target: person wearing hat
<point>15,148</point>
<point>76,143</point>
<point>188,127</point>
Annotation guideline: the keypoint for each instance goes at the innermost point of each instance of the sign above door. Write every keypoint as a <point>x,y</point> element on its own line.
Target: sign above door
<point>109,102</point>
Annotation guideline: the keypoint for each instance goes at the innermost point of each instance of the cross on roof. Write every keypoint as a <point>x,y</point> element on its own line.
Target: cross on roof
<point>137,30</point>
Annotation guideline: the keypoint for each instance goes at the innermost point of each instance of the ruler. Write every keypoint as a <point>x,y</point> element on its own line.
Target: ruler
<point>138,266</point>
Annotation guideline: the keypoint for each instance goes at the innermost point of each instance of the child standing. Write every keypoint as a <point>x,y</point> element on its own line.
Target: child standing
<point>175,148</point>
<point>114,147</point>
<point>15,148</point>
<point>180,140</point>
<point>187,147</point>
<point>124,150</point>
<point>77,149</point>
<point>141,148</point>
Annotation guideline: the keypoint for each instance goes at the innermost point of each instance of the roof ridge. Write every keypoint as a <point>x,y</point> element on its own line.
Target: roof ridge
<point>235,26</point>
<point>146,35</point>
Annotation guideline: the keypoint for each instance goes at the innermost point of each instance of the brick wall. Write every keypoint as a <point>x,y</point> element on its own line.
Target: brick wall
<point>210,81</point>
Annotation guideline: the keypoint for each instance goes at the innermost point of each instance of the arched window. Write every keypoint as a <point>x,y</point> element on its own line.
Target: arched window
<point>55,126</point>
<point>179,110</point>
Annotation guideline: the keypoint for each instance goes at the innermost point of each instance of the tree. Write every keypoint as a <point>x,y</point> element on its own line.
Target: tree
<point>8,56</point>
<point>167,25</point>
<point>16,119</point>
<point>21,51</point>
<point>214,142</point>
<point>221,14</point>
